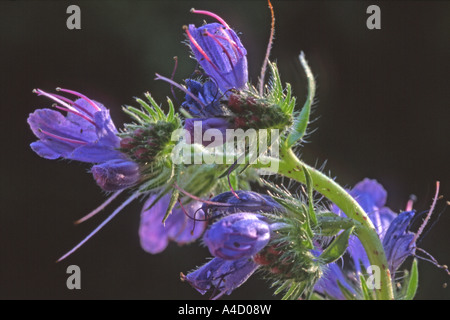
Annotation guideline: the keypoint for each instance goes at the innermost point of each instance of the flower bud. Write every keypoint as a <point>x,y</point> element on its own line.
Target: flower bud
<point>237,235</point>
<point>221,54</point>
<point>116,174</point>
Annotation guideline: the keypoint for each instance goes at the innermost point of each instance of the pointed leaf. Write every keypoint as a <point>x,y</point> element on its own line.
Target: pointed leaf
<point>301,122</point>
<point>413,282</point>
<point>336,248</point>
<point>367,294</point>
<point>172,203</point>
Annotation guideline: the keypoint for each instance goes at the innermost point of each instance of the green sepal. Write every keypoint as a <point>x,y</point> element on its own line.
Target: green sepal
<point>310,189</point>
<point>367,293</point>
<point>413,282</point>
<point>172,203</point>
<point>337,247</point>
<point>302,120</point>
<point>330,224</point>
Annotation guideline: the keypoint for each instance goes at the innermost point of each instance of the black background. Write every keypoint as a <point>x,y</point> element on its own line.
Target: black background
<point>382,112</point>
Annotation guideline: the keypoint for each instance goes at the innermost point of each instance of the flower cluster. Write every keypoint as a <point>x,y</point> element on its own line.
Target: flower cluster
<point>294,240</point>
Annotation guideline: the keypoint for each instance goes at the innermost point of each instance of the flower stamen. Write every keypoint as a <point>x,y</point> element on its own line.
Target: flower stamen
<point>62,138</point>
<point>92,103</point>
<point>211,14</point>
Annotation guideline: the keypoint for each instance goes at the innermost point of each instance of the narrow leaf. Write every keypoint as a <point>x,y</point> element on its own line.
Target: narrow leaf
<point>172,203</point>
<point>301,122</point>
<point>336,248</point>
<point>365,289</point>
<point>413,282</point>
<point>309,187</point>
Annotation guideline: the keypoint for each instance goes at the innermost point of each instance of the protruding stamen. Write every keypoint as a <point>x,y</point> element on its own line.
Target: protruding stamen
<point>432,260</point>
<point>232,42</point>
<point>54,98</point>
<point>123,205</point>
<point>62,138</point>
<point>99,208</point>
<point>173,75</point>
<point>211,14</point>
<point>410,203</point>
<point>214,37</point>
<point>74,104</point>
<point>159,77</point>
<point>269,47</point>
<point>197,46</point>
<point>436,196</point>
<point>92,103</point>
<point>76,113</point>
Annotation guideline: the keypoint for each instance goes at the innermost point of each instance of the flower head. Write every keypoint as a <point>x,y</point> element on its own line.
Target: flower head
<point>223,276</point>
<point>372,197</point>
<point>399,242</point>
<point>180,227</point>
<point>241,201</point>
<point>219,51</point>
<point>85,134</point>
<point>116,174</point>
<point>237,235</point>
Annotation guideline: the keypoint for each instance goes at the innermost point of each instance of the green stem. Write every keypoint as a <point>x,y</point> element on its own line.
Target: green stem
<point>291,167</point>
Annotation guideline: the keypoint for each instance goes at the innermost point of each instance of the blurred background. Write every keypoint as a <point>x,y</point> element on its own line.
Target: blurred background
<point>382,112</point>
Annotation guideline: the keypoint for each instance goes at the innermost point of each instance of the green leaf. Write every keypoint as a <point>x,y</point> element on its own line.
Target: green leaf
<point>413,282</point>
<point>367,294</point>
<point>172,203</point>
<point>336,248</point>
<point>170,115</point>
<point>132,114</point>
<point>155,105</point>
<point>147,108</point>
<point>310,189</point>
<point>330,224</point>
<point>140,114</point>
<point>301,122</point>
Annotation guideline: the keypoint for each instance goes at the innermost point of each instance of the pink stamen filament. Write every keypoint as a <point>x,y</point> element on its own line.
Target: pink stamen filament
<point>203,53</point>
<point>209,34</point>
<point>211,14</point>
<point>232,43</point>
<point>92,103</point>
<point>74,104</point>
<point>123,205</point>
<point>436,196</point>
<point>226,53</point>
<point>63,138</point>
<point>99,208</point>
<point>54,98</point>
<point>76,113</point>
<point>159,77</point>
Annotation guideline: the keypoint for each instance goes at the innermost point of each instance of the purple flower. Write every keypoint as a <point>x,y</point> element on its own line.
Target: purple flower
<point>219,51</point>
<point>372,197</point>
<point>181,227</point>
<point>237,235</point>
<point>241,201</point>
<point>328,284</point>
<point>202,100</point>
<point>399,242</point>
<point>116,174</point>
<point>223,276</point>
<point>85,134</point>
<point>393,230</point>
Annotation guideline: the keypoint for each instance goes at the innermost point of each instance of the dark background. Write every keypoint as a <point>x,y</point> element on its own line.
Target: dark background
<point>383,112</point>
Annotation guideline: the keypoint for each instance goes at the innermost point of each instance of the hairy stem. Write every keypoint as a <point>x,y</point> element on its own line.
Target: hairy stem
<point>291,167</point>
